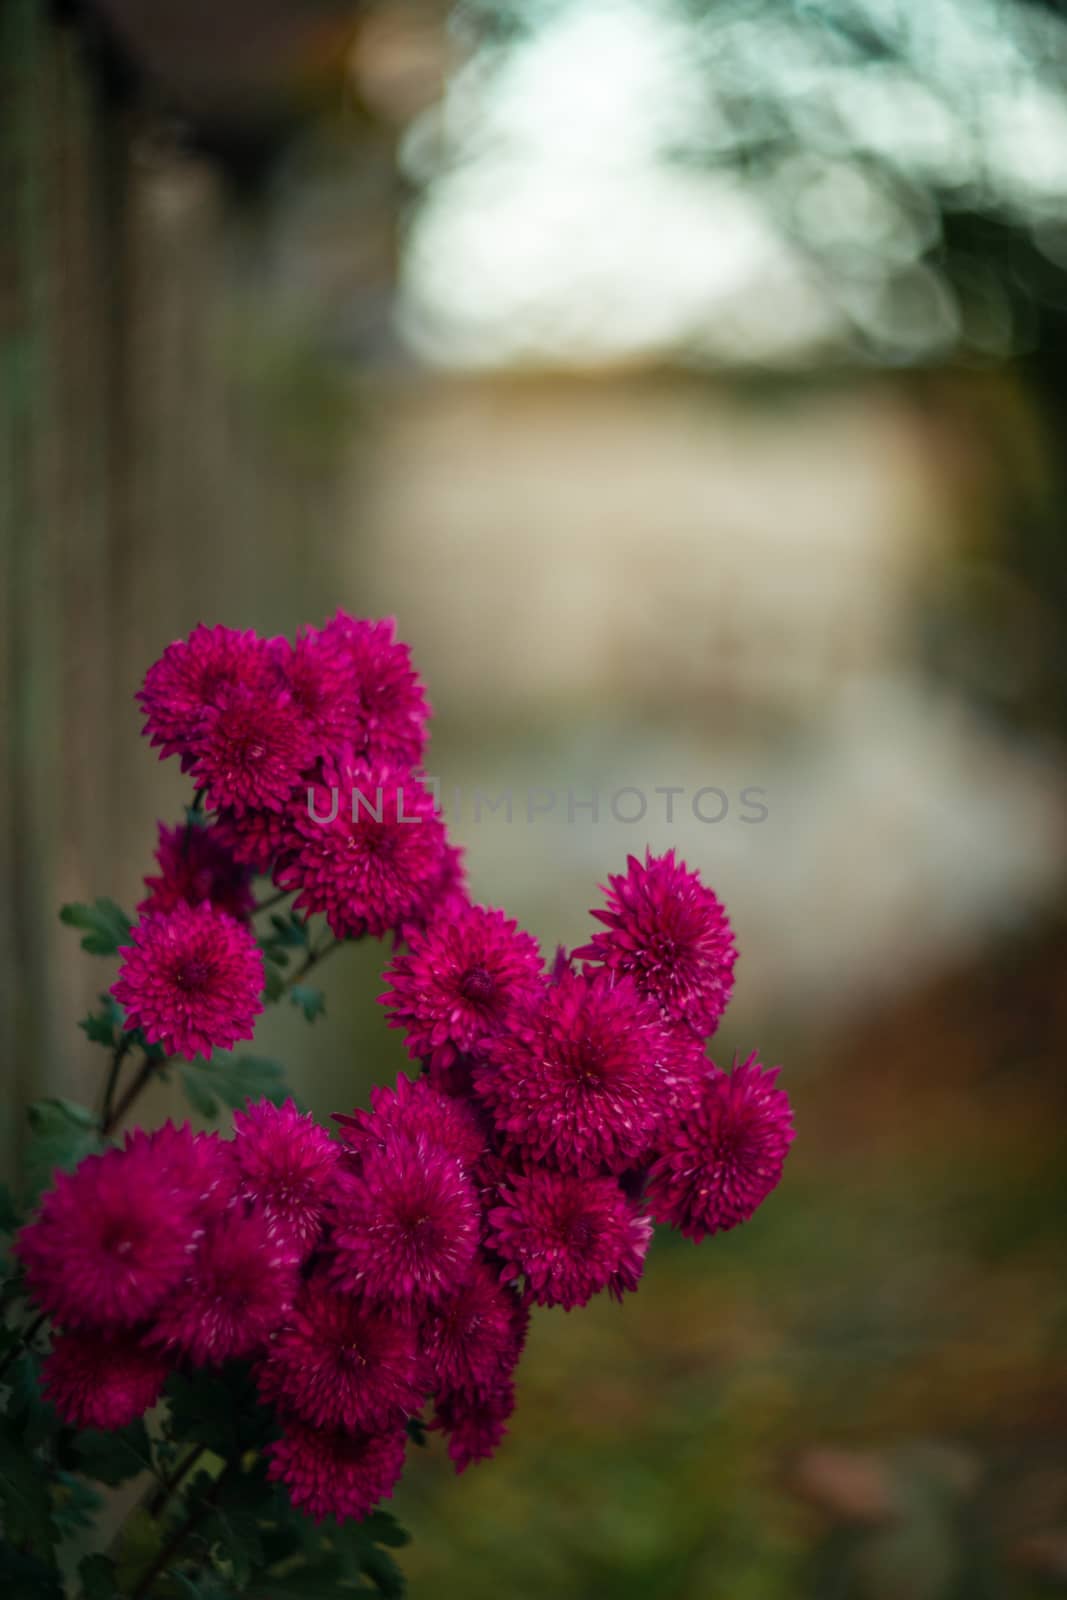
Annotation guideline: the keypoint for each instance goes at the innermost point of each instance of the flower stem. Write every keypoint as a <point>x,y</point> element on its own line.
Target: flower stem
<point>118,1111</point>
<point>174,1543</point>
<point>119,1054</point>
<point>164,1492</point>
<point>313,959</point>
<point>271,900</point>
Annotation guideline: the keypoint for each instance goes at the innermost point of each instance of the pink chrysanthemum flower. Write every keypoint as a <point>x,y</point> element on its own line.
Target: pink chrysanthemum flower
<point>97,1380</point>
<point>200,1165</point>
<point>459,981</point>
<point>569,1237</point>
<point>473,1339</point>
<point>672,935</point>
<point>474,1421</point>
<point>418,1111</point>
<point>391,706</point>
<point>578,1082</point>
<point>258,839</point>
<point>341,1363</point>
<point>407,1225</point>
<point>111,1241</point>
<point>252,745</point>
<point>188,678</point>
<point>239,1291</point>
<point>371,873</point>
<point>286,1164</point>
<point>329,1473</point>
<point>722,1161</point>
<point>191,980</point>
<point>197,864</point>
<point>318,672</point>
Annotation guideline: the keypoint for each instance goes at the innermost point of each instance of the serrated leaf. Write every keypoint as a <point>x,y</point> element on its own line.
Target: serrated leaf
<point>235,1079</point>
<point>416,1429</point>
<point>97,1575</point>
<point>106,925</point>
<point>311,1001</point>
<point>112,1457</point>
<point>61,1134</point>
<point>200,1586</point>
<point>25,1506</point>
<point>197,1091</point>
<point>98,1029</point>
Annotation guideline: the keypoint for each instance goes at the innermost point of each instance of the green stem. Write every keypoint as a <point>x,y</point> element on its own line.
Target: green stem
<point>117,1112</point>
<point>119,1054</point>
<point>313,959</point>
<point>173,1545</point>
<point>166,1490</point>
<point>271,900</point>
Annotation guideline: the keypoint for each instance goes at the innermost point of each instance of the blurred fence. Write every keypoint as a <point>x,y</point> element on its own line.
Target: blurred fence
<point>142,486</point>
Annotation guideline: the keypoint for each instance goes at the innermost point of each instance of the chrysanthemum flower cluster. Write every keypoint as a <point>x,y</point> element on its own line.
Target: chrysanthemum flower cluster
<point>559,1112</point>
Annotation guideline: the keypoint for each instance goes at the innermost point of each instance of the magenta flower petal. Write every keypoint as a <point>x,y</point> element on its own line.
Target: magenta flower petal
<point>407,1225</point>
<point>722,1161</point>
<point>97,1380</point>
<point>569,1237</point>
<point>459,981</point>
<point>197,864</point>
<point>341,1363</point>
<point>191,980</point>
<point>668,932</point>
<point>329,1473</point>
<point>112,1240</point>
<point>286,1164</point>
<point>239,1291</point>
<point>579,1083</point>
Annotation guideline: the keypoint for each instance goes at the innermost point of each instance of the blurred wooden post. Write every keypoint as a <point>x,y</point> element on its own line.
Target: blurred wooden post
<point>139,491</point>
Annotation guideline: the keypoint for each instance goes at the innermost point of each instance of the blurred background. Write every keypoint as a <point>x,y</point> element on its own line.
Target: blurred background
<point>687,376</point>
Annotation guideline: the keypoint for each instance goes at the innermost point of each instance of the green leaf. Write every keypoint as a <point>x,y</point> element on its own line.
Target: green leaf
<point>288,930</point>
<point>324,1581</point>
<point>273,980</point>
<point>311,1001</point>
<point>75,1504</point>
<point>9,1212</point>
<point>233,1080</point>
<point>97,1576</point>
<point>61,1134</point>
<point>112,1457</point>
<point>241,1504</point>
<point>34,1417</point>
<point>360,1555</point>
<point>417,1432</point>
<point>25,1507</point>
<point>106,925</point>
<point>102,1025</point>
<point>197,1092</point>
<point>221,1412</point>
<point>383,1528</point>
